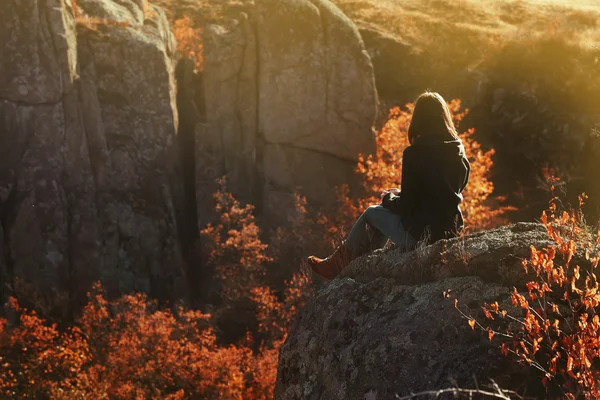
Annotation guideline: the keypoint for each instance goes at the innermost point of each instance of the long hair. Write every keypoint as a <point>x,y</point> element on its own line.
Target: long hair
<point>431,117</point>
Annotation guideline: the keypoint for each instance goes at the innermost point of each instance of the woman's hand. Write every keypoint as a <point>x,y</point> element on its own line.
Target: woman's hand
<point>394,191</point>
<point>389,193</point>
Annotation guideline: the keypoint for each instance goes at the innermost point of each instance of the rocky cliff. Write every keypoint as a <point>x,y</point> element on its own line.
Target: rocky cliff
<point>384,327</point>
<point>87,127</point>
<point>290,101</point>
<point>109,150</point>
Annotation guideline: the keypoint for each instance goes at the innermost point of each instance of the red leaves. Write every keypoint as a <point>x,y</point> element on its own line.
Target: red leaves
<point>189,40</point>
<point>234,246</point>
<point>130,348</point>
<point>569,364</point>
<point>535,345</point>
<point>494,306</point>
<point>567,346</point>
<point>519,300</point>
<point>127,349</point>
<point>487,314</point>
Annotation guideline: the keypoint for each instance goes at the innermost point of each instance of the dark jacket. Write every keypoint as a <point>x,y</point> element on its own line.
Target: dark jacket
<point>434,173</point>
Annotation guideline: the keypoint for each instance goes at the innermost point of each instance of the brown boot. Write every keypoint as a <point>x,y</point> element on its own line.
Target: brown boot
<point>331,266</point>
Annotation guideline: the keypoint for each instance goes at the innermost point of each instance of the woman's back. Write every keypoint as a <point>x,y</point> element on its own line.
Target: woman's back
<point>434,173</point>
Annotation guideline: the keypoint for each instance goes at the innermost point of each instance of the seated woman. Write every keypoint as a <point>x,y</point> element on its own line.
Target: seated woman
<point>435,171</point>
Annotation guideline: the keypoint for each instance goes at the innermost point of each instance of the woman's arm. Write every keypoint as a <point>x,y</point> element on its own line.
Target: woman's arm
<point>405,199</point>
<point>410,179</point>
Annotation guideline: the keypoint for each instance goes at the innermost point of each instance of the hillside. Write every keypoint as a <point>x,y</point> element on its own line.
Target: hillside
<point>473,34</point>
<point>465,25</point>
<point>528,70</point>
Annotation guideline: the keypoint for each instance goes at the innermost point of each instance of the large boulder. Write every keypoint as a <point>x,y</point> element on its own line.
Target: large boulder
<point>385,326</point>
<point>87,123</point>
<point>290,101</point>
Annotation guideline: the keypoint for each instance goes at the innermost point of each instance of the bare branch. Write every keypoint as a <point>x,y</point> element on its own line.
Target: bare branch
<point>468,393</point>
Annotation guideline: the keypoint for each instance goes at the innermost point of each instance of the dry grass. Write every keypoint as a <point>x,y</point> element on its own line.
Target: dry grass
<point>423,22</point>
<point>467,33</point>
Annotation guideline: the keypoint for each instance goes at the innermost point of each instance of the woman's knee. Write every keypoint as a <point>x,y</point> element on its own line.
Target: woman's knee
<point>371,213</point>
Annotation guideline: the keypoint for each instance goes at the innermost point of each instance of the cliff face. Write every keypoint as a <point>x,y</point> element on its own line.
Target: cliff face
<point>87,122</point>
<point>290,101</point>
<point>96,184</point>
<point>385,327</point>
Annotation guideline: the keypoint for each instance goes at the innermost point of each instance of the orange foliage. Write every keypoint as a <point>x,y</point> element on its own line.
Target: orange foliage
<point>120,350</point>
<point>559,327</point>
<point>241,261</point>
<point>274,316</point>
<point>240,258</point>
<point>235,249</point>
<point>130,348</point>
<point>189,40</point>
<point>36,359</point>
<point>383,170</point>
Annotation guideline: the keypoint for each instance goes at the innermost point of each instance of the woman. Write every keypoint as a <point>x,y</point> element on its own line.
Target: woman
<point>435,171</point>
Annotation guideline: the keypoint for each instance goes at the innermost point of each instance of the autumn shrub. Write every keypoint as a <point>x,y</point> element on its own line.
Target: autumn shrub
<point>554,326</point>
<point>233,245</point>
<point>189,40</point>
<point>242,261</point>
<point>128,349</point>
<point>141,349</point>
<point>383,170</point>
<point>131,348</point>
<point>37,360</point>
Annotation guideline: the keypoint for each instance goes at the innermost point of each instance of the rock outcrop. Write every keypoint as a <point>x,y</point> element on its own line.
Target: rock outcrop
<point>87,157</point>
<point>384,326</point>
<point>290,102</point>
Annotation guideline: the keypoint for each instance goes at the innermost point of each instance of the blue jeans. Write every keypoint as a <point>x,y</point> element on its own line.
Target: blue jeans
<point>383,224</point>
